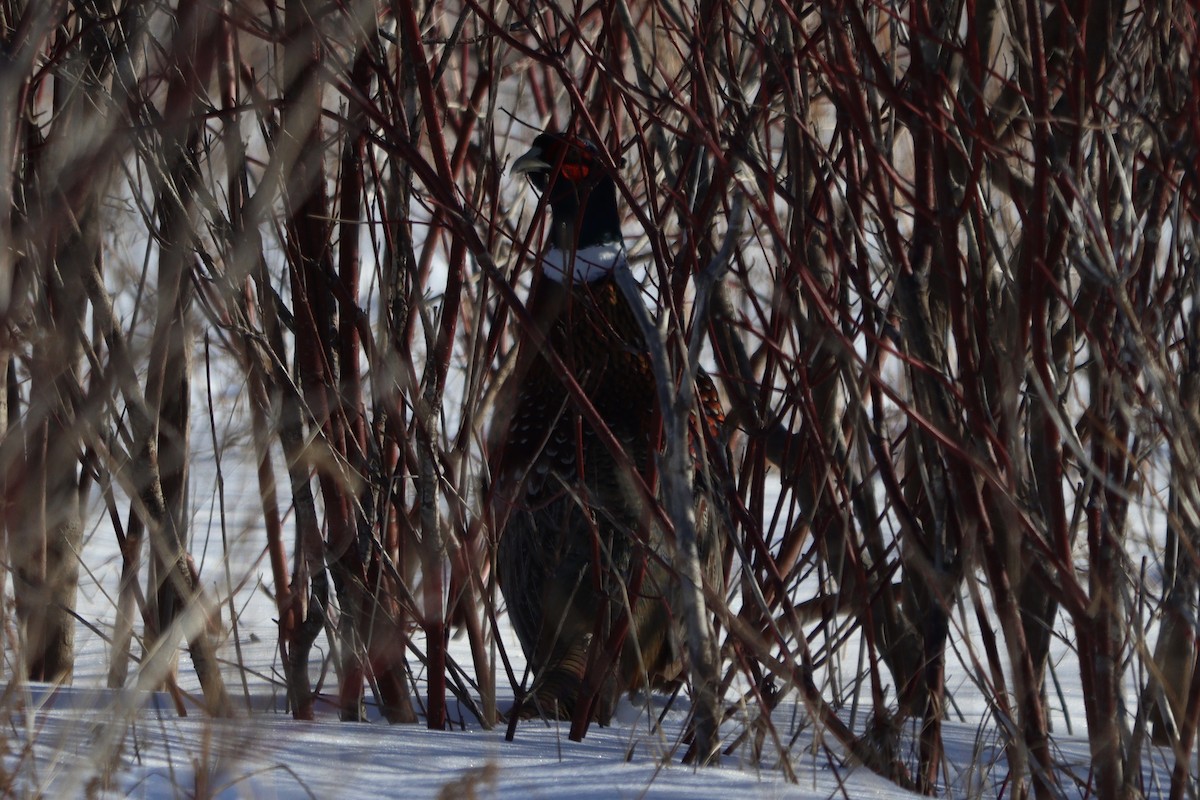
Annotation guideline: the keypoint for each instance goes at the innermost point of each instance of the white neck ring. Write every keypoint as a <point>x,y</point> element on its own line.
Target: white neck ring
<point>589,264</point>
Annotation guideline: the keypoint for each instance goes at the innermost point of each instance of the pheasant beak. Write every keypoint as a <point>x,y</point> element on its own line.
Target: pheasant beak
<point>531,162</point>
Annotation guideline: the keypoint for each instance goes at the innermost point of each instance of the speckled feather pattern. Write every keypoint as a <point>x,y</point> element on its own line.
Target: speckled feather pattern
<point>574,527</point>
<point>593,331</point>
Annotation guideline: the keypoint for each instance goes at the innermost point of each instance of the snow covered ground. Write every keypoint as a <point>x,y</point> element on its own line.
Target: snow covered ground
<point>85,740</point>
<point>80,742</point>
<point>74,742</point>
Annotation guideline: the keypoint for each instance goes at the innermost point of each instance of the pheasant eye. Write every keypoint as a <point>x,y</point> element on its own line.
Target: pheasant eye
<point>575,172</point>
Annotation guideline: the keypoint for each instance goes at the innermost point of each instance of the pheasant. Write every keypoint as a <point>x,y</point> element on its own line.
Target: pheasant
<point>579,543</point>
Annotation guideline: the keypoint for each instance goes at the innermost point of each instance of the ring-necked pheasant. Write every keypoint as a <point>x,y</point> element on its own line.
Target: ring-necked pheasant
<point>577,537</point>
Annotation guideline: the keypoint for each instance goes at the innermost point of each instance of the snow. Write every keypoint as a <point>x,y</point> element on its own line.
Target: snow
<point>86,740</point>
<point>142,748</point>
